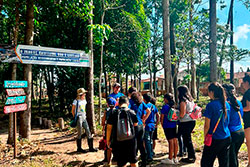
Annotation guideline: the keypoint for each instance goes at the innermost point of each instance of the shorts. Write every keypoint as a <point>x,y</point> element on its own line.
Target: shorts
<point>155,135</point>
<point>125,152</point>
<point>170,133</point>
<point>246,119</point>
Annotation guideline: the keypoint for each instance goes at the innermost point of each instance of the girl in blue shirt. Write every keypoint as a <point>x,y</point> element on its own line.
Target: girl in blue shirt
<point>169,130</point>
<point>235,126</point>
<point>221,137</point>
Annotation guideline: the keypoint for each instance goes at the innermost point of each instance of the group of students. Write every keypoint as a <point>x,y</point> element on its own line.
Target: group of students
<point>223,124</point>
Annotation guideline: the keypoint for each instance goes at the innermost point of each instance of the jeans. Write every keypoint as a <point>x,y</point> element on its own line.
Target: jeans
<point>219,149</point>
<point>82,123</point>
<point>185,129</point>
<point>237,140</point>
<point>140,146</point>
<point>149,143</point>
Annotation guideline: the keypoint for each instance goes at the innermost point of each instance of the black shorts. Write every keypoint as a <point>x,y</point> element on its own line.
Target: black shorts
<point>155,136</point>
<point>170,133</point>
<point>246,119</point>
<point>125,152</point>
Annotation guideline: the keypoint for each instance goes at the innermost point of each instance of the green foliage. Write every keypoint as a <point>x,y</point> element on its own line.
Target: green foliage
<point>100,32</point>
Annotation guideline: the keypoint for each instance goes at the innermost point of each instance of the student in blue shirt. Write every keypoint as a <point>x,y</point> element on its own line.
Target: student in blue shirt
<point>142,112</point>
<point>221,137</point>
<point>150,127</point>
<point>116,92</point>
<point>235,126</point>
<point>169,130</point>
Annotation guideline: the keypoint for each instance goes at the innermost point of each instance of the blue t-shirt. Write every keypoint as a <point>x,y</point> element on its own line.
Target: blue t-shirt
<point>166,123</point>
<point>116,96</point>
<point>235,122</point>
<point>213,112</point>
<point>150,122</point>
<point>139,110</point>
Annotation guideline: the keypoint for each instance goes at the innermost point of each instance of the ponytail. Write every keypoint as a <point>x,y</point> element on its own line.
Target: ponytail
<point>229,89</point>
<point>219,94</point>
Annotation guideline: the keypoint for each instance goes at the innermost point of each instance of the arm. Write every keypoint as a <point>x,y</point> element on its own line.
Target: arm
<point>182,109</point>
<point>247,108</point>
<point>162,118</point>
<point>73,110</point>
<point>104,118</point>
<point>206,126</point>
<point>108,134</point>
<point>157,119</point>
<point>147,115</point>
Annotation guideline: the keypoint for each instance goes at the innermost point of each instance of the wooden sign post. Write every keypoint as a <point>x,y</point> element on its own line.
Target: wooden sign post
<point>15,102</point>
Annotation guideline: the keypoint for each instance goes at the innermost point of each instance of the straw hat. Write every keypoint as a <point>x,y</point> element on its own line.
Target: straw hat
<point>81,91</point>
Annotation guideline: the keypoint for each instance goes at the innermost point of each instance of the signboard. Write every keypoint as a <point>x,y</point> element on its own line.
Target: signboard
<point>7,54</point>
<point>15,84</point>
<point>15,100</point>
<point>15,92</point>
<point>28,54</point>
<point>15,108</point>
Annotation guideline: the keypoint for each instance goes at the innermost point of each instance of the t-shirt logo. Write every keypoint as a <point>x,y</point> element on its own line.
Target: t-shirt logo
<point>82,108</point>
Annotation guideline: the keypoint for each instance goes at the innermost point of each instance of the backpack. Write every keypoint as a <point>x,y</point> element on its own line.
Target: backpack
<point>173,114</point>
<point>125,127</point>
<point>196,112</point>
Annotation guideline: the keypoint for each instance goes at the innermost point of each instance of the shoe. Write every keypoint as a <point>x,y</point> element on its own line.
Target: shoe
<point>149,161</point>
<point>180,155</point>
<point>79,146</point>
<point>188,160</point>
<point>176,161</point>
<point>168,161</point>
<point>90,143</point>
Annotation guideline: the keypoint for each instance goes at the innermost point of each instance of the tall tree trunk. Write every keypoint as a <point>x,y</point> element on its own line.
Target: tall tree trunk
<point>193,69</point>
<point>13,67</point>
<point>213,40</point>
<point>150,72</point>
<point>90,80</point>
<point>105,79</point>
<point>101,67</point>
<point>139,79</point>
<point>155,84</point>
<point>41,91</point>
<point>25,116</point>
<point>231,43</point>
<point>166,45</point>
<point>126,82</point>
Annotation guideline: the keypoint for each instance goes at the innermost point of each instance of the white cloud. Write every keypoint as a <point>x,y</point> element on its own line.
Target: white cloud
<point>242,32</point>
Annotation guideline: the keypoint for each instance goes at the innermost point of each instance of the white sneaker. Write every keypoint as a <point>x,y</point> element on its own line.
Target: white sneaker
<point>168,161</point>
<point>176,161</point>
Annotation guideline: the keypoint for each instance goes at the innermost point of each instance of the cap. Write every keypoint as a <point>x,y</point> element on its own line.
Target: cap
<point>81,91</point>
<point>111,101</point>
<point>116,85</point>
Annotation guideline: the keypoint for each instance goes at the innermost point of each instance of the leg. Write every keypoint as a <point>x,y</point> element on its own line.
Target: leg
<point>90,138</point>
<point>175,147</point>
<point>247,135</point>
<point>148,144</point>
<point>208,157</point>
<point>141,146</point>
<point>79,135</point>
<point>223,154</point>
<point>237,140</point>
<point>171,148</point>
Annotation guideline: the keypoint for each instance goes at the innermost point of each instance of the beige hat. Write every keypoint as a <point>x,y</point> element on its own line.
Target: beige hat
<point>80,91</point>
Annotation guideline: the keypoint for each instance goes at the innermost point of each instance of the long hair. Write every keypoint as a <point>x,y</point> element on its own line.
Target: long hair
<point>229,89</point>
<point>170,99</point>
<point>147,97</point>
<point>137,98</point>
<point>246,78</point>
<point>219,94</point>
<point>184,94</point>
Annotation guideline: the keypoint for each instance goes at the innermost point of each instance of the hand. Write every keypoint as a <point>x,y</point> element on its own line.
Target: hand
<point>108,145</point>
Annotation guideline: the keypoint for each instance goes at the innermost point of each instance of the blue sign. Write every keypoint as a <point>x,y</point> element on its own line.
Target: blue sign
<point>51,56</point>
<point>15,84</point>
<point>15,100</point>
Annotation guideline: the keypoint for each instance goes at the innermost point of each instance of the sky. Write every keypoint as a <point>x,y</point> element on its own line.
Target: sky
<point>241,29</point>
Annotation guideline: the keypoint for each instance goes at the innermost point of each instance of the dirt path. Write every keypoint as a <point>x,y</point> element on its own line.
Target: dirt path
<point>54,148</point>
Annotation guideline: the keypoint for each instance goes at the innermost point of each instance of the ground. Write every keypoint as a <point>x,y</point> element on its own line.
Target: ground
<point>52,147</point>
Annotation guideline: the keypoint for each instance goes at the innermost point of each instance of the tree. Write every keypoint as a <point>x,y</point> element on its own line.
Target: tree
<point>166,45</point>
<point>213,40</point>
<point>25,117</point>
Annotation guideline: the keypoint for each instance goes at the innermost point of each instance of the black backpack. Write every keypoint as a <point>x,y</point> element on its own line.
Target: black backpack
<point>125,127</point>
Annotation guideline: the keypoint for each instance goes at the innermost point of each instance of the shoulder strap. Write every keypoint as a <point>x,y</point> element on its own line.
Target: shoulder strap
<point>76,107</point>
<point>216,125</point>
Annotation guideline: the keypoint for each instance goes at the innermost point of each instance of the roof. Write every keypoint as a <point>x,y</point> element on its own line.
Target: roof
<point>237,75</point>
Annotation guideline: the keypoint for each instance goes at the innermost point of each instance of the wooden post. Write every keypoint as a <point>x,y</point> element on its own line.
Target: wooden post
<point>49,122</point>
<point>40,122</point>
<point>45,123</point>
<point>14,124</point>
<point>61,123</point>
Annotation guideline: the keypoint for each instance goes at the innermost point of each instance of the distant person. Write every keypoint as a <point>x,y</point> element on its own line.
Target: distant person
<point>150,126</point>
<point>246,108</point>
<point>111,108</point>
<point>235,126</point>
<point>116,92</point>
<point>157,120</point>
<point>79,104</point>
<point>187,124</point>
<point>169,130</point>
<point>142,112</point>
<point>126,149</point>
<point>217,117</point>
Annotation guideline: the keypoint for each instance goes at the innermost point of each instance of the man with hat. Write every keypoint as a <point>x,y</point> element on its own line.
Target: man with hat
<point>116,92</point>
<point>79,108</point>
